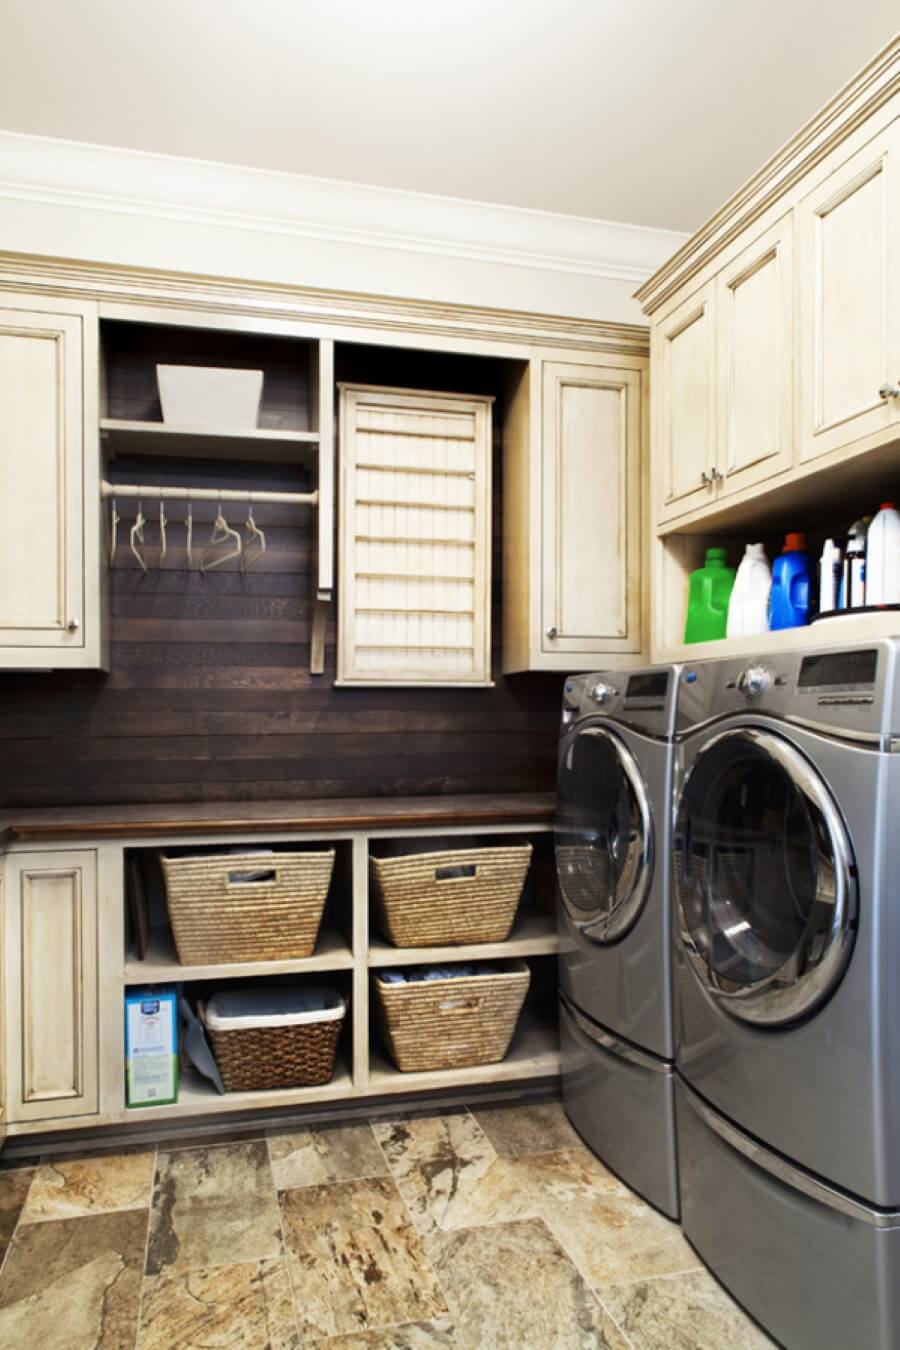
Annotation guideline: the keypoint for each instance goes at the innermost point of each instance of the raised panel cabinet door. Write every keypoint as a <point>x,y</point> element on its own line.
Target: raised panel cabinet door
<point>684,405</point>
<point>42,479</point>
<point>850,300</point>
<point>51,964</point>
<point>755,398</point>
<point>591,527</point>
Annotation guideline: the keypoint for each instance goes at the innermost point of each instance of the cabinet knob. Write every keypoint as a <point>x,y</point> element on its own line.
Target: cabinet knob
<point>73,625</point>
<point>889,391</point>
<point>707,479</point>
<point>552,631</point>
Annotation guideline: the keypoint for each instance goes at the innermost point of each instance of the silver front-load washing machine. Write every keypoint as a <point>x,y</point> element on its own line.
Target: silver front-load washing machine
<point>786,880</point>
<point>612,849</point>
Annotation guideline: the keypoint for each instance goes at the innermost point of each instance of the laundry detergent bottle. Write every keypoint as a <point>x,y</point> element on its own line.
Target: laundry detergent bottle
<point>748,608</point>
<point>789,606</point>
<point>883,557</point>
<point>708,596</point>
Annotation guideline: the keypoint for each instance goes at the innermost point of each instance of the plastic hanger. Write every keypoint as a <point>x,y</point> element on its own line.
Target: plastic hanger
<point>136,537</point>
<point>162,529</point>
<point>189,530</point>
<point>221,534</point>
<point>114,519</point>
<point>255,546</point>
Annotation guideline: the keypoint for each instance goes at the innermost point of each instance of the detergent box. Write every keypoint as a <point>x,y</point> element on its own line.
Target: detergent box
<point>151,1047</point>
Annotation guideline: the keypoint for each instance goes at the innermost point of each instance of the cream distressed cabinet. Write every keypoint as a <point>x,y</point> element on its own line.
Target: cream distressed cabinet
<point>850,287</point>
<point>50,985</point>
<point>683,355</point>
<point>50,608</point>
<point>573,527</point>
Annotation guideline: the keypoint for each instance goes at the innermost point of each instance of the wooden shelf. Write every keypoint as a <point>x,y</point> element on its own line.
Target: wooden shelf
<point>198,1097</point>
<point>161,965</point>
<point>532,935</point>
<point>164,438</point>
<point>829,633</point>
<point>534,1053</point>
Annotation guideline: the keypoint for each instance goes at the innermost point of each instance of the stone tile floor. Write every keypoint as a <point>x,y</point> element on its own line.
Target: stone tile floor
<point>475,1229</point>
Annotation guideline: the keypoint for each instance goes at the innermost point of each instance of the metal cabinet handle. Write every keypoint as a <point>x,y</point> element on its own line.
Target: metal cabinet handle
<point>706,478</point>
<point>73,625</point>
<point>888,390</point>
<point>552,631</point>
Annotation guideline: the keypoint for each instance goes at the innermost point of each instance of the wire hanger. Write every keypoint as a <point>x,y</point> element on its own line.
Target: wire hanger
<point>114,519</point>
<point>255,546</point>
<point>162,529</point>
<point>136,537</point>
<point>221,534</point>
<point>189,530</point>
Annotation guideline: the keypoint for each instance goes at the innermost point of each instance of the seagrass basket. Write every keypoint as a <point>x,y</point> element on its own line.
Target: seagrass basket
<point>278,1053</point>
<point>452,1023</point>
<point>230,907</point>
<point>449,898</point>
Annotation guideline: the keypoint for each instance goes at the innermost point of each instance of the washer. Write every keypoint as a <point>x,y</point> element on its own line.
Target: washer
<point>786,869</point>
<point>612,852</point>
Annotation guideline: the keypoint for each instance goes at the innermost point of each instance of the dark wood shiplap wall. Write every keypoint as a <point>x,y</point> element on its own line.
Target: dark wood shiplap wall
<point>209,695</point>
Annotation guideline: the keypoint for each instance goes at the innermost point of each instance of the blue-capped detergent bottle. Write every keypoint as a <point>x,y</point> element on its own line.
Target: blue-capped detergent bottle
<point>789,603</point>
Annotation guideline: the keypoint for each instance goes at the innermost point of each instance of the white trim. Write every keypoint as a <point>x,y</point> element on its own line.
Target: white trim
<point>55,172</point>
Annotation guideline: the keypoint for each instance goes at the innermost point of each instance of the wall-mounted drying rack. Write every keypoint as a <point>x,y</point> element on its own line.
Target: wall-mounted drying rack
<point>224,543</point>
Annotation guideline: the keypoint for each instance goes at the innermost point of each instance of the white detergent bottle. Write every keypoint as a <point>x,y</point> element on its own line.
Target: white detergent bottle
<point>748,607</point>
<point>883,557</point>
<point>829,577</point>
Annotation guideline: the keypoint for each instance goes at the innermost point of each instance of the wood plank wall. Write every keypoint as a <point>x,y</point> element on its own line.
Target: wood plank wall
<point>209,696</point>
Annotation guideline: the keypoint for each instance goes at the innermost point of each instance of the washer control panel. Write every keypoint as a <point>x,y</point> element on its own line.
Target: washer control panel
<point>603,693</point>
<point>753,681</point>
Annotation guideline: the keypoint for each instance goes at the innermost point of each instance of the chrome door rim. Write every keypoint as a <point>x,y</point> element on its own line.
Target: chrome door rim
<point>772,1000</point>
<point>615,923</point>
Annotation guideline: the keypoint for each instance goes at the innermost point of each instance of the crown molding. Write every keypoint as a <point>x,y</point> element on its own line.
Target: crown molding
<point>860,98</point>
<point>54,172</point>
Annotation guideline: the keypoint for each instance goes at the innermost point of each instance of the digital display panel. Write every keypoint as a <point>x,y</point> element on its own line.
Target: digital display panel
<point>838,668</point>
<point>649,684</point>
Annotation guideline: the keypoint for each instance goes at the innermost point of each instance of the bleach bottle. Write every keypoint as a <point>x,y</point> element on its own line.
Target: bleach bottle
<point>789,606</point>
<point>883,557</point>
<point>748,608</point>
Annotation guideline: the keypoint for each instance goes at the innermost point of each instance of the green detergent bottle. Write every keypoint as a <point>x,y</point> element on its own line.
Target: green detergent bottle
<point>710,591</point>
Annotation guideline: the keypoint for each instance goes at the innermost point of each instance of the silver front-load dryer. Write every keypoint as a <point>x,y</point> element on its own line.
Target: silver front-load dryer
<point>612,848</point>
<point>787,940</point>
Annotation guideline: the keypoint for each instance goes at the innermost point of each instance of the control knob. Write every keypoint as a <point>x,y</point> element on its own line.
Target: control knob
<point>602,693</point>
<point>753,681</point>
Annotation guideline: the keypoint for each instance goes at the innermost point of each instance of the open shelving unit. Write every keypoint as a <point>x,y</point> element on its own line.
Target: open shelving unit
<point>350,947</point>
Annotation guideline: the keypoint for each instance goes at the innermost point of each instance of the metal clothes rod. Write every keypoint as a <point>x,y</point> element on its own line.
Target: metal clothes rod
<point>183,494</point>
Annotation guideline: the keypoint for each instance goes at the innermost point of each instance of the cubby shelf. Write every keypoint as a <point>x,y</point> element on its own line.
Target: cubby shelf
<point>161,964</point>
<point>124,437</point>
<point>198,1097</point>
<point>534,1053</point>
<point>533,935</point>
<point>852,628</point>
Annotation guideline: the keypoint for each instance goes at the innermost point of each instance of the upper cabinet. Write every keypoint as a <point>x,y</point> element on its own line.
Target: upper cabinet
<point>684,411</point>
<point>850,300</point>
<point>50,607</point>
<point>573,536</point>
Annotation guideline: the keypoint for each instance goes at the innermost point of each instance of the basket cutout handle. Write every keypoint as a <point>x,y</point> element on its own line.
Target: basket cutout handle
<point>456,872</point>
<point>259,876</point>
<point>460,1004</point>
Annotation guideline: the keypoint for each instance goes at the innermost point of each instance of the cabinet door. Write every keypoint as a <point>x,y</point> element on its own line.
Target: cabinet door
<point>754,299</point>
<point>684,405</point>
<point>50,1005</point>
<point>591,524</point>
<point>42,481</point>
<point>850,300</point>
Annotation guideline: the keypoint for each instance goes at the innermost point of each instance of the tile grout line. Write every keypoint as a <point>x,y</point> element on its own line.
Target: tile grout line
<point>140,1308</point>
<point>18,1223</point>
<point>284,1247</point>
<point>615,1321</point>
<point>457,1328</point>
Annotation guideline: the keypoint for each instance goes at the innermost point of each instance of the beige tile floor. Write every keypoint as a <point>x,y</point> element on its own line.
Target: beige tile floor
<point>475,1229</point>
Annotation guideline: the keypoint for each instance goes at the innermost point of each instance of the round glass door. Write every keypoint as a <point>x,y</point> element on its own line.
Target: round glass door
<point>764,878</point>
<point>604,834</point>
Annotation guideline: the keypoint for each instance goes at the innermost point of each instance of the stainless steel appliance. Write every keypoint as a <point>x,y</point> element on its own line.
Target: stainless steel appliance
<point>612,855</point>
<point>786,869</point>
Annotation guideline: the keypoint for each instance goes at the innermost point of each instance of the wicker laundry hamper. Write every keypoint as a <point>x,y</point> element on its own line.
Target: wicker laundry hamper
<point>273,1039</point>
<point>455,1022</point>
<point>228,907</point>
<point>449,898</point>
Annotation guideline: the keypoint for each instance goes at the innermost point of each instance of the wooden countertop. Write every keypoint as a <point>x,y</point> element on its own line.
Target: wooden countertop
<point>367,813</point>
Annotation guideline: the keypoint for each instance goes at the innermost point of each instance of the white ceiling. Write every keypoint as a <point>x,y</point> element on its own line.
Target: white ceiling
<point>644,111</point>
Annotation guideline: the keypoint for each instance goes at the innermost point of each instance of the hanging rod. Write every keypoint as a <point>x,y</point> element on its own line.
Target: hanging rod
<point>183,494</point>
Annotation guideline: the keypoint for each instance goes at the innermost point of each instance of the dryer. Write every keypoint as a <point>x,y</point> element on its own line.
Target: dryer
<point>612,852</point>
<point>786,860</point>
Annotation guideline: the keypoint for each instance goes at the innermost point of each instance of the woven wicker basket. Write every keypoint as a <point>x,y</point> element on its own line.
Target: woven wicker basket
<point>275,1057</point>
<point>218,917</point>
<point>452,1023</point>
<point>449,898</point>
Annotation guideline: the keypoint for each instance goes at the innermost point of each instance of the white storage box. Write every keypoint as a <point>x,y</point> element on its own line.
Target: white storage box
<point>210,397</point>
